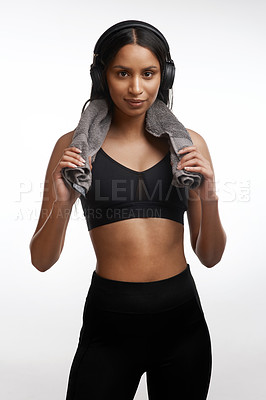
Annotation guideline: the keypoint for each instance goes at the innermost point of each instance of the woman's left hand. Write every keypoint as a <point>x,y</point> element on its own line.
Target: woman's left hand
<point>194,161</point>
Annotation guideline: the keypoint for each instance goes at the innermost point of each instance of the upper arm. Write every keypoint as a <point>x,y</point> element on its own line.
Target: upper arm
<point>194,203</point>
<point>48,192</point>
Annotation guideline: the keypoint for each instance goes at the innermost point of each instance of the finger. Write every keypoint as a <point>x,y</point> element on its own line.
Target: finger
<point>201,169</point>
<point>194,162</point>
<point>90,163</point>
<point>64,164</point>
<point>192,154</point>
<point>187,149</point>
<point>75,149</point>
<point>73,155</point>
<point>196,168</point>
<point>73,160</point>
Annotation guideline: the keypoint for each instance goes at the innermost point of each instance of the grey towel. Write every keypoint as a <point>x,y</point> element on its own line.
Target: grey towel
<point>94,125</point>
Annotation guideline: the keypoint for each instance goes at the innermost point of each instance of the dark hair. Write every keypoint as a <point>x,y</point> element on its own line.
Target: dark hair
<point>110,47</point>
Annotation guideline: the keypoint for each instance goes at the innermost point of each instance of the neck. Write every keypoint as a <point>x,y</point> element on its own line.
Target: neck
<point>130,128</point>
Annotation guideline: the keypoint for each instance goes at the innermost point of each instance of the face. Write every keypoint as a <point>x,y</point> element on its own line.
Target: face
<point>133,78</point>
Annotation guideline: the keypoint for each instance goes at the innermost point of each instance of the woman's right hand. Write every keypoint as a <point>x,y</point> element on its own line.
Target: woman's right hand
<point>70,158</point>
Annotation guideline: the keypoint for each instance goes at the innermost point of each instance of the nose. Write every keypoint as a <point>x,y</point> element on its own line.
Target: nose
<point>135,87</point>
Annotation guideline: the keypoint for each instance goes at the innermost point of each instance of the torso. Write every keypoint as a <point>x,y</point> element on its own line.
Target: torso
<point>140,249</point>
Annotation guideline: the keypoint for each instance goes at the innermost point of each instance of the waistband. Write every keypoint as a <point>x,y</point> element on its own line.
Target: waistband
<point>142,297</point>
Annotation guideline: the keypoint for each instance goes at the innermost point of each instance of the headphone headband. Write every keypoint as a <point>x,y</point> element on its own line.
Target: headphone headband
<point>129,24</point>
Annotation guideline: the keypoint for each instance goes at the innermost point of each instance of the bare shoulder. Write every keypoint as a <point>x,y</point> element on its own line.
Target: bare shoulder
<point>48,195</point>
<point>65,140</point>
<point>201,144</point>
<point>59,147</point>
<point>197,139</point>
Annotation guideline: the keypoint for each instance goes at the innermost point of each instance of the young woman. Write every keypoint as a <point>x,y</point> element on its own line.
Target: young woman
<point>142,312</point>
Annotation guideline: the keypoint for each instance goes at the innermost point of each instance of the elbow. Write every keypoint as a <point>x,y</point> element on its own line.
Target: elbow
<point>34,259</point>
<point>211,257</point>
<point>41,267</point>
<point>38,261</point>
<point>211,262</point>
<point>38,266</point>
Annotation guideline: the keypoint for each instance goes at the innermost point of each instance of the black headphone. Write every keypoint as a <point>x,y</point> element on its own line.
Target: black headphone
<point>168,74</point>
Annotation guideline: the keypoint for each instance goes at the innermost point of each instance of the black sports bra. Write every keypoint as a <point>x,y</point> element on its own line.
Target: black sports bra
<point>118,192</point>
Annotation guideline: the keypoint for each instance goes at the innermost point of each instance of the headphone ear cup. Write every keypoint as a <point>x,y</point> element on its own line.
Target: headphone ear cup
<point>168,76</point>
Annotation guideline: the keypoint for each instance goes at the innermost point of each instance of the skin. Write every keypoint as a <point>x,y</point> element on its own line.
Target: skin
<point>141,249</point>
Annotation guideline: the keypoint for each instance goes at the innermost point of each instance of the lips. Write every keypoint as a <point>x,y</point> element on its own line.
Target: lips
<point>134,102</point>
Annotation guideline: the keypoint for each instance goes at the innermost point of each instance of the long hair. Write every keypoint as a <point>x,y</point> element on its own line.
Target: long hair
<point>108,50</point>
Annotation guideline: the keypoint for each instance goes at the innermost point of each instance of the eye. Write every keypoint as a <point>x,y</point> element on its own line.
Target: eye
<point>122,74</point>
<point>148,74</point>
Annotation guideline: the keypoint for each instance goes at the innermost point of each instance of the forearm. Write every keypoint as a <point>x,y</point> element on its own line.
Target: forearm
<point>211,239</point>
<point>46,245</point>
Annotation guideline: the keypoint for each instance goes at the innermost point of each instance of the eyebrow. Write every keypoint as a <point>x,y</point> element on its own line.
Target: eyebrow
<point>130,69</point>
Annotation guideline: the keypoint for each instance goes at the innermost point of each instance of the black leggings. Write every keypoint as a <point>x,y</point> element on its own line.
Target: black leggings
<point>130,328</point>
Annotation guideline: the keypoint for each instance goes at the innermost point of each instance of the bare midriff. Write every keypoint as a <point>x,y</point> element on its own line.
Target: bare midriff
<point>139,249</point>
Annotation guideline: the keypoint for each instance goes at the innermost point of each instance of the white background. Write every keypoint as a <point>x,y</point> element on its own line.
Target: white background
<point>219,52</point>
